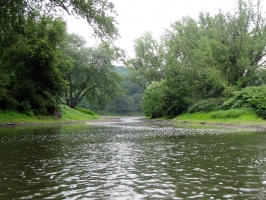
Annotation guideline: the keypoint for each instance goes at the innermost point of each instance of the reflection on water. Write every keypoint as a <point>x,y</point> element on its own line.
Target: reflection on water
<point>130,159</point>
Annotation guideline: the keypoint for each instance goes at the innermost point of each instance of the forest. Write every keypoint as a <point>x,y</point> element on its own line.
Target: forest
<point>198,65</point>
<point>212,63</point>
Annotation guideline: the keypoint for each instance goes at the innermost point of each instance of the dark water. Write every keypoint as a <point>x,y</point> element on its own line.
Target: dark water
<point>131,160</point>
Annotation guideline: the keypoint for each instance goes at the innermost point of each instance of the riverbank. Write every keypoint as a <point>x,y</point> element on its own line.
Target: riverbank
<point>68,116</point>
<point>243,125</point>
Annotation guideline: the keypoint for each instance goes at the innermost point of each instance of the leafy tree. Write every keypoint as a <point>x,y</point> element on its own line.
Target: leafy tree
<point>162,99</point>
<point>217,52</point>
<point>31,59</point>
<point>92,74</point>
<point>34,63</point>
<point>242,38</point>
<point>208,58</point>
<point>153,101</point>
<point>99,14</point>
<point>146,64</point>
<point>189,53</point>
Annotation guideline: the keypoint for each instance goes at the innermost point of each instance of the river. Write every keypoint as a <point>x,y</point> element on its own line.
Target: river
<point>128,158</point>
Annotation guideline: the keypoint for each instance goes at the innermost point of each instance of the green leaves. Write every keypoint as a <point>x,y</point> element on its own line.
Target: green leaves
<point>203,59</point>
<point>99,14</point>
<point>146,63</point>
<point>33,62</point>
<point>250,97</point>
<point>153,100</point>
<point>92,75</point>
<point>32,58</point>
<point>162,99</point>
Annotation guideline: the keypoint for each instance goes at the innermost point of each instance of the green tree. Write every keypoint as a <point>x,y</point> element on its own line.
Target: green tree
<point>99,14</point>
<point>146,64</point>
<point>215,53</point>
<point>241,39</point>
<point>34,63</point>
<point>189,52</point>
<point>92,75</point>
<point>209,58</point>
<point>31,59</point>
<point>128,100</point>
<point>153,100</point>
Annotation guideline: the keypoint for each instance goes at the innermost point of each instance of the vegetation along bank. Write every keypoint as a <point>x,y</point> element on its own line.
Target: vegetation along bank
<point>214,64</point>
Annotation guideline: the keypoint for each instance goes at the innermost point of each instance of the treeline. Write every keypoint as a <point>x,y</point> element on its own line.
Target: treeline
<point>214,62</point>
<point>42,66</point>
<point>129,98</point>
<point>126,101</point>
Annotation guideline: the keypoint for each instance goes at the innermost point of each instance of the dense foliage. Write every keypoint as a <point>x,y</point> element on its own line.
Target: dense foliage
<point>33,65</point>
<point>99,14</point>
<point>126,100</point>
<point>161,99</point>
<point>92,74</point>
<point>202,60</point>
<point>250,97</point>
<point>41,66</point>
<point>207,105</point>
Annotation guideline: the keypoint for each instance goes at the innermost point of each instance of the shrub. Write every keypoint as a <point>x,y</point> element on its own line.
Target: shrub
<point>85,111</point>
<point>250,97</point>
<point>25,107</point>
<point>153,100</point>
<point>207,105</point>
<point>162,99</point>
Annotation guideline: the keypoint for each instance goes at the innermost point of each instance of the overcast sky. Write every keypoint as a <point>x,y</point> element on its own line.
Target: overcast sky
<point>136,17</point>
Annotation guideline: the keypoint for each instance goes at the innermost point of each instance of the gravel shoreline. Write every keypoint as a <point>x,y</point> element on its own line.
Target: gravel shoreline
<point>252,127</point>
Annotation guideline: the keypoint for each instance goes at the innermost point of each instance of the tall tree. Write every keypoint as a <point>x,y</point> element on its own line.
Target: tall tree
<point>34,63</point>
<point>31,59</point>
<point>212,56</point>
<point>247,27</point>
<point>99,14</point>
<point>146,63</point>
<point>189,53</point>
<point>216,53</point>
<point>92,74</point>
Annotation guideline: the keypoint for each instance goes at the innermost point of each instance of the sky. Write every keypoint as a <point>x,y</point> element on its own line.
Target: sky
<point>136,17</point>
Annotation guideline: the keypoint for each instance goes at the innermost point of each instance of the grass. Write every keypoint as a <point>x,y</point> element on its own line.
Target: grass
<point>232,116</point>
<point>68,115</point>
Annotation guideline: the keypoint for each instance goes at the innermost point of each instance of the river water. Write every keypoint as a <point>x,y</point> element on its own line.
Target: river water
<point>131,159</point>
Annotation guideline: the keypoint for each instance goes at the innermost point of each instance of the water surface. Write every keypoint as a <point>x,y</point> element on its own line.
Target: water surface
<point>131,159</point>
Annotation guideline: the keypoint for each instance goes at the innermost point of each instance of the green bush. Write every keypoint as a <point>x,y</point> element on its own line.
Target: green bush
<point>25,107</point>
<point>250,97</point>
<point>162,99</point>
<point>207,105</point>
<point>85,111</point>
<point>153,100</point>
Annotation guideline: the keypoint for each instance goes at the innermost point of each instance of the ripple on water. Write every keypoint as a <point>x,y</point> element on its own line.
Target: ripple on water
<point>132,160</point>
